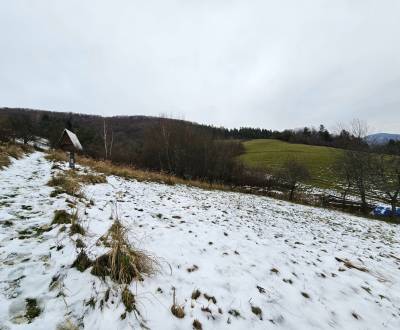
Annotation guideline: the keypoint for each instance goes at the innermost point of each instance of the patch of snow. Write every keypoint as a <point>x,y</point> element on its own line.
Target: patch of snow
<point>304,267</point>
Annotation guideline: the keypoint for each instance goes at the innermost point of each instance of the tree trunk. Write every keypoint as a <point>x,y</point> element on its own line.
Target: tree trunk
<point>111,144</point>
<point>344,198</point>
<point>364,208</point>
<point>291,195</point>
<point>105,140</point>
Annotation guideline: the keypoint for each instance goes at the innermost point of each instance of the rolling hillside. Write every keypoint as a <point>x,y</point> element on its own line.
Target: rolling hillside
<point>270,154</point>
<point>229,260</point>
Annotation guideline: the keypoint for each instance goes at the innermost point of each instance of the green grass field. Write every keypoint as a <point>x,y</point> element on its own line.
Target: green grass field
<point>271,154</point>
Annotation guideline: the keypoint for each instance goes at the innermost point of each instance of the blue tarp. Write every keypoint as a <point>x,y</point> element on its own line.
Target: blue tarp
<point>385,211</point>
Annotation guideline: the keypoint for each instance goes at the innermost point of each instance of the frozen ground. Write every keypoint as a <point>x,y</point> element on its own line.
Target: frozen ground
<point>302,267</point>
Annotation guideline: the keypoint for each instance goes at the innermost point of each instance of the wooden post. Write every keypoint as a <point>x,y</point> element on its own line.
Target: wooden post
<point>72,160</point>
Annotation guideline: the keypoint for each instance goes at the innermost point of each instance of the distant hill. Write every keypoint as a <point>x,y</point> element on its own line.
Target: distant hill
<point>382,138</point>
<point>271,154</point>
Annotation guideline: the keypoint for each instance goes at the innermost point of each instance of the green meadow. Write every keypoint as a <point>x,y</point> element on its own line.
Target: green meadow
<point>270,154</point>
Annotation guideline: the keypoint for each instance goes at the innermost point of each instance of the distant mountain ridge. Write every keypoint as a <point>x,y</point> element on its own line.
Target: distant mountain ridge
<point>382,138</point>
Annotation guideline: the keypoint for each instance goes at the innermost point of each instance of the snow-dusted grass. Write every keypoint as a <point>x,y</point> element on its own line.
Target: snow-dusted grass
<point>10,152</point>
<point>233,261</point>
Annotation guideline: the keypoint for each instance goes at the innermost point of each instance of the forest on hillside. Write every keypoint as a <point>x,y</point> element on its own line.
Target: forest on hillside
<point>199,152</point>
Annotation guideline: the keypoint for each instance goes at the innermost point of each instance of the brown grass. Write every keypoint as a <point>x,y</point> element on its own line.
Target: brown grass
<point>196,294</point>
<point>257,311</point>
<point>76,227</point>
<point>350,265</point>
<point>123,263</point>
<point>197,325</point>
<point>61,217</point>
<point>57,156</point>
<point>70,182</point>
<point>8,150</point>
<point>65,183</point>
<point>128,299</point>
<point>82,262</point>
<point>132,173</point>
<point>177,310</point>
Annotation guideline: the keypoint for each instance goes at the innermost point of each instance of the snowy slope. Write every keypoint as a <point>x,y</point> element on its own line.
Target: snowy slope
<point>246,251</point>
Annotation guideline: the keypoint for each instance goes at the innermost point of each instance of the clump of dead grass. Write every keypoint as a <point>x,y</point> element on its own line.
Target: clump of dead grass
<point>128,299</point>
<point>122,262</point>
<point>56,156</point>
<point>257,311</point>
<point>76,227</point>
<point>177,310</point>
<point>11,150</point>
<point>70,182</point>
<point>65,183</point>
<point>32,309</point>
<point>197,325</point>
<point>61,217</point>
<point>196,294</point>
<point>350,265</point>
<point>82,262</point>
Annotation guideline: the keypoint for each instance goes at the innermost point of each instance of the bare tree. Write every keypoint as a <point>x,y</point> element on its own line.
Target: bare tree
<point>358,168</point>
<point>105,139</point>
<point>355,164</point>
<point>343,171</point>
<point>108,140</point>
<point>386,180</point>
<point>359,128</point>
<point>292,174</point>
<point>111,144</point>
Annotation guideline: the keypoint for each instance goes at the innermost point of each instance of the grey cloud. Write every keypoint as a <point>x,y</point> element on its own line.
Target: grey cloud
<point>273,64</point>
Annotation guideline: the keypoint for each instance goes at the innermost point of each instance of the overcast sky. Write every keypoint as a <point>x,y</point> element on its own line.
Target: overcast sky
<point>272,64</point>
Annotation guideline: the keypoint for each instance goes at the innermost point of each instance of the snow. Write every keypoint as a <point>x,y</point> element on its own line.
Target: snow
<point>249,251</point>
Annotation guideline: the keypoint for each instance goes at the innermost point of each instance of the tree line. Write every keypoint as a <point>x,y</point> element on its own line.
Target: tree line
<point>210,154</point>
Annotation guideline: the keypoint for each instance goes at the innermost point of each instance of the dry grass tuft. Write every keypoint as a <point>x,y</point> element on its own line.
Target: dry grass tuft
<point>76,227</point>
<point>70,181</point>
<point>61,217</point>
<point>197,325</point>
<point>92,178</point>
<point>257,311</point>
<point>350,265</point>
<point>56,156</point>
<point>234,312</point>
<point>177,310</point>
<point>196,294</point>
<point>12,150</point>
<point>32,309</point>
<point>210,298</point>
<point>128,299</point>
<point>65,183</point>
<point>123,263</point>
<point>82,262</point>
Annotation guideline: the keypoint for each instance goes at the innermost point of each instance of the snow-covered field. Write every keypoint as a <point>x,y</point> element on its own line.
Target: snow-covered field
<point>302,267</point>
